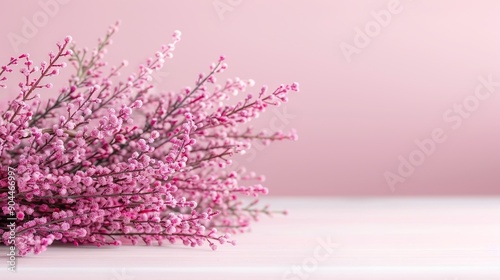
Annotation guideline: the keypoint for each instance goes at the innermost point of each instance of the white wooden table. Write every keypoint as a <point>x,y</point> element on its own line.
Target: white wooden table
<point>376,238</point>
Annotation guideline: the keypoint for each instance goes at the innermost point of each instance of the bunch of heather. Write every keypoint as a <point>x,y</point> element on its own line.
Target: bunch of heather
<point>110,160</point>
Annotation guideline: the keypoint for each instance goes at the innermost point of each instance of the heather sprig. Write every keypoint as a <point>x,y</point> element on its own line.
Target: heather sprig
<point>108,159</point>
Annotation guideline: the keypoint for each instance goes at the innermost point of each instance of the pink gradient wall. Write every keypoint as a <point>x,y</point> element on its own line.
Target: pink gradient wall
<point>376,77</point>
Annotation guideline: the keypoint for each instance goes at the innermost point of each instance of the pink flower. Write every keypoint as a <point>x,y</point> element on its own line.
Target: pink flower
<point>108,159</point>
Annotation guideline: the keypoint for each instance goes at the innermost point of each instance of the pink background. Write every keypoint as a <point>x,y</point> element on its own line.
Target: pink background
<point>354,118</point>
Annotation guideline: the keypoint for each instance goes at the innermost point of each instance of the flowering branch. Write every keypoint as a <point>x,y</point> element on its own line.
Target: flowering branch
<point>108,159</point>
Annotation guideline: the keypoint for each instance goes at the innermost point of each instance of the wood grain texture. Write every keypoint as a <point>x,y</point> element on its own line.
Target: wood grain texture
<point>375,238</point>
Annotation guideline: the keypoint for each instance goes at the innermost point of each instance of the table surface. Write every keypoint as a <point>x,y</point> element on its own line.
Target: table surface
<point>321,238</point>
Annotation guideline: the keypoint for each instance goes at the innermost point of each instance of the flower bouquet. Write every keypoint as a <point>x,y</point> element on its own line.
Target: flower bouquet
<point>107,159</point>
